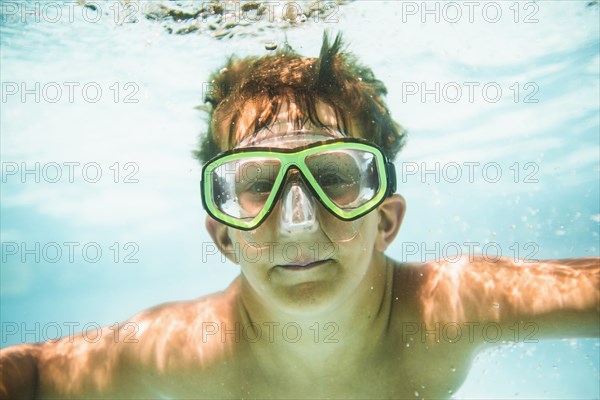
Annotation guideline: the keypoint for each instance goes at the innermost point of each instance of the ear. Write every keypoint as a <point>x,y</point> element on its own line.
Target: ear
<point>391,212</point>
<point>219,234</point>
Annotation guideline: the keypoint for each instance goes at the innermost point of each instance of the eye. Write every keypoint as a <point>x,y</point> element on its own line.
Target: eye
<point>260,187</point>
<point>331,180</point>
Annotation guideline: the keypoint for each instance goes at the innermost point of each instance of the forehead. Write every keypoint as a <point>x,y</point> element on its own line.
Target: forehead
<point>284,133</point>
<point>285,129</point>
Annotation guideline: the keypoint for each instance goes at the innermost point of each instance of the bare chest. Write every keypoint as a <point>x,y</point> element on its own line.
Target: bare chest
<point>416,371</point>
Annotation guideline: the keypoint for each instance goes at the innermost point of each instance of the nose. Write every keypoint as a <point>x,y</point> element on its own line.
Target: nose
<point>298,208</point>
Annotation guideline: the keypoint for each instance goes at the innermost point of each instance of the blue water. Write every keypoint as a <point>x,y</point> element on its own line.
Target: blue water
<point>153,212</point>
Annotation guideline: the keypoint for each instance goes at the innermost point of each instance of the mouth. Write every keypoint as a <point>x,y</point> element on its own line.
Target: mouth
<point>303,266</point>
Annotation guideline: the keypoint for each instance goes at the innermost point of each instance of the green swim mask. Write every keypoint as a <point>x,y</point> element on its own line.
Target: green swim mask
<point>350,177</point>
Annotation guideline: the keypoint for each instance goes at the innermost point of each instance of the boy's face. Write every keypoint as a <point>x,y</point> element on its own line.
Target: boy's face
<point>302,258</point>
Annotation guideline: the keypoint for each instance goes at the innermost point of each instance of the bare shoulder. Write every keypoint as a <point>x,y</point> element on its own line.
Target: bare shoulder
<point>163,338</point>
<point>437,291</point>
<point>425,342</point>
<point>181,333</point>
<point>481,288</point>
<point>408,279</point>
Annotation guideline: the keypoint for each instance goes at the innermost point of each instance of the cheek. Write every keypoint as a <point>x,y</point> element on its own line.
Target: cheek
<point>248,248</point>
<point>337,230</point>
<point>359,249</point>
<point>264,235</point>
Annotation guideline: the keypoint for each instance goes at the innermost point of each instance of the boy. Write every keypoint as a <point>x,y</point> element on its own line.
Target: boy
<point>299,187</point>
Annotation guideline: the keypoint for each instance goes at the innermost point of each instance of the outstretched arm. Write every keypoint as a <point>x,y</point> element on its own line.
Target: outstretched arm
<point>107,363</point>
<point>67,366</point>
<point>19,372</point>
<point>561,297</point>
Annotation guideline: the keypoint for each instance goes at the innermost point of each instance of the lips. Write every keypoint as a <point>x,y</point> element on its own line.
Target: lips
<point>303,265</point>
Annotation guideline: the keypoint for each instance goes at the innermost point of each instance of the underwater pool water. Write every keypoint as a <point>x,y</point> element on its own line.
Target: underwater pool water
<point>510,166</point>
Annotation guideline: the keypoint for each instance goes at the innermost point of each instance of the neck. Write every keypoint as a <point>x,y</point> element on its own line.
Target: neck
<point>356,323</point>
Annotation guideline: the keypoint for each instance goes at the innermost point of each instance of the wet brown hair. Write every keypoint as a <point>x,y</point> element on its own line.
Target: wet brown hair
<point>247,94</point>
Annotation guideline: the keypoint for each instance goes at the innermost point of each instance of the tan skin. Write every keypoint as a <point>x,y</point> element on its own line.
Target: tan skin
<point>351,327</point>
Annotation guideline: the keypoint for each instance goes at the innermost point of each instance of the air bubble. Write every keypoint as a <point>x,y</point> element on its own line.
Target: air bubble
<point>271,46</point>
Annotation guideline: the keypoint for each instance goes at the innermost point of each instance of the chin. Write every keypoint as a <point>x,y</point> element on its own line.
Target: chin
<point>309,298</point>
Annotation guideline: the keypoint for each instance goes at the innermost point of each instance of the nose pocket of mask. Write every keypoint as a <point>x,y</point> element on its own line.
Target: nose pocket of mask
<point>298,209</point>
